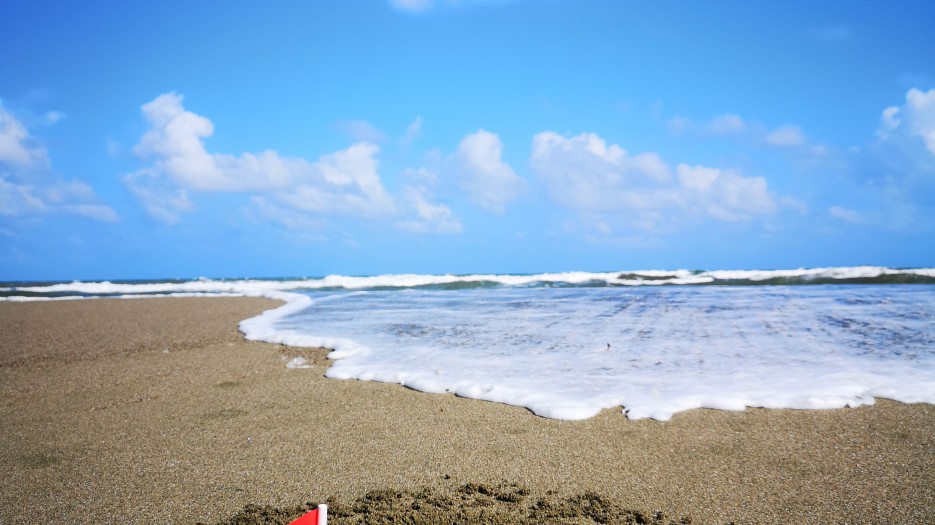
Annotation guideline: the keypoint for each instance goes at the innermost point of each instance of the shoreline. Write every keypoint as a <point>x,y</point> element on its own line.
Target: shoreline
<point>160,411</point>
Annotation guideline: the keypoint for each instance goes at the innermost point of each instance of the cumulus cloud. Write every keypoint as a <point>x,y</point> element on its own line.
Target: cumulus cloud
<point>487,180</point>
<point>889,121</point>
<point>163,201</point>
<point>424,210</point>
<point>429,217</point>
<point>17,148</point>
<point>293,192</point>
<point>900,164</point>
<point>34,196</point>
<point>725,194</point>
<point>343,182</point>
<point>27,184</point>
<point>587,175</point>
<point>174,142</point>
<point>915,119</point>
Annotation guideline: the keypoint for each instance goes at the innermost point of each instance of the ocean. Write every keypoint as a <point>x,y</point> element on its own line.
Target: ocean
<point>568,345</point>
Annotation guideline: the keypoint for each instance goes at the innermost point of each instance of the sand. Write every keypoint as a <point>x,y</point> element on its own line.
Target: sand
<point>157,411</point>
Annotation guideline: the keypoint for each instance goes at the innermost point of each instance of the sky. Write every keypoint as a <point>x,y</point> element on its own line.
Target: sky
<point>175,139</point>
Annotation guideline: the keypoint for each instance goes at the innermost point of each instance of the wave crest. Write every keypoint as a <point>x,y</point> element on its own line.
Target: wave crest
<point>251,287</point>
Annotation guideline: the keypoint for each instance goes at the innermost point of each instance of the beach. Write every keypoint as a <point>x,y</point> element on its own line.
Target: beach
<point>158,411</point>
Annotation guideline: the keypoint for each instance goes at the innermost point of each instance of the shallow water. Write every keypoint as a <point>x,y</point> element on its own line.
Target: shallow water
<point>569,352</point>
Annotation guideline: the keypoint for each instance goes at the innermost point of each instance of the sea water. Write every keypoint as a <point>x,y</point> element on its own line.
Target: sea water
<point>567,346</point>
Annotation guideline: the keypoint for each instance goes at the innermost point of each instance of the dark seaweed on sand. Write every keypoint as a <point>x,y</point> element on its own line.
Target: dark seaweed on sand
<point>506,504</point>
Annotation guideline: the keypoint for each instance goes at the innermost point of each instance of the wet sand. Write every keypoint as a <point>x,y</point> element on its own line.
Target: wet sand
<point>157,411</point>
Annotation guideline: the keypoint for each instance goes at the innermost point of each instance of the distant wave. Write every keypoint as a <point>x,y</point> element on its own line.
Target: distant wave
<point>265,287</point>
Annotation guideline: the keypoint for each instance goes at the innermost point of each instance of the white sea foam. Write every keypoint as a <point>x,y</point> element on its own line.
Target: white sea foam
<point>298,362</point>
<point>670,349</point>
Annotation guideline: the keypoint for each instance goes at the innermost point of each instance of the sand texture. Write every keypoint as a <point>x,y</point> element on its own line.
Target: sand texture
<point>157,411</point>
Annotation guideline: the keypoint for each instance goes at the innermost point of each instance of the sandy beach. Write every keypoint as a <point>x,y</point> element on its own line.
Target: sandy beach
<point>158,411</point>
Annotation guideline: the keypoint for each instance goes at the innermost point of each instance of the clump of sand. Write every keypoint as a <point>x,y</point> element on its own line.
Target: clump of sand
<point>494,504</point>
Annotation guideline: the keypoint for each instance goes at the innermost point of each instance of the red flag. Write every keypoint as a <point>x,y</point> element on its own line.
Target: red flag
<point>318,516</point>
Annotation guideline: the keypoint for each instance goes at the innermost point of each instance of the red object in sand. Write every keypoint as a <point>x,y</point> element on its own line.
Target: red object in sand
<point>318,516</point>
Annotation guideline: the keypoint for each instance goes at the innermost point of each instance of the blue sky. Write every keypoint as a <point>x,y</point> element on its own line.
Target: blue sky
<point>246,139</point>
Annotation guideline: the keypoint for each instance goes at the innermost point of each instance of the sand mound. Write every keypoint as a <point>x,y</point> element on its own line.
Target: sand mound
<point>506,504</point>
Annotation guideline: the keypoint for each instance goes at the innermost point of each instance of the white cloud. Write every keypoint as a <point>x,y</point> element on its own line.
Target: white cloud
<point>299,224</point>
<point>919,113</point>
<point>163,201</point>
<point>914,121</point>
<point>174,140</point>
<point>420,212</point>
<point>786,136</point>
<point>298,194</point>
<point>727,124</point>
<point>19,199</point>
<point>344,182</point>
<point>900,164</point>
<point>22,199</point>
<point>63,192</point>
<point>586,174</point>
<point>17,148</point>
<point>421,177</point>
<point>725,194</point>
<point>428,217</point>
<point>733,126</point>
<point>894,175</point>
<point>889,121</point>
<point>487,180</point>
<point>904,153</point>
<point>27,184</point>
<point>844,214</point>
